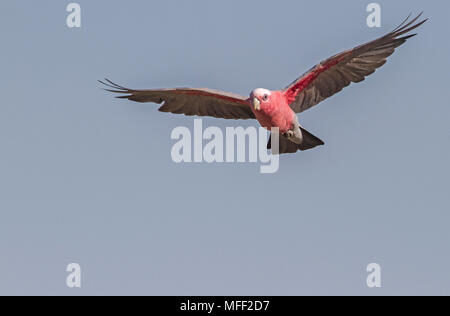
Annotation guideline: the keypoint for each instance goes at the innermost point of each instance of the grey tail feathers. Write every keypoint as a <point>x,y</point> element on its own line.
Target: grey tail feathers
<point>286,146</point>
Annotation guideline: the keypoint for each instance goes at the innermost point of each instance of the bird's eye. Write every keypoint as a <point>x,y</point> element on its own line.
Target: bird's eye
<point>265,97</point>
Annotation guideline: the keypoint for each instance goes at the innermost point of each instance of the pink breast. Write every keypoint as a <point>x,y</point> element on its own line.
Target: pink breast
<point>282,120</point>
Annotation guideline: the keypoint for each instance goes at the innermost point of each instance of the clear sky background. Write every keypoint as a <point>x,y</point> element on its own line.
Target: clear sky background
<point>89,179</point>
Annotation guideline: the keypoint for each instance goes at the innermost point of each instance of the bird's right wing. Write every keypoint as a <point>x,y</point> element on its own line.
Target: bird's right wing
<point>188,101</point>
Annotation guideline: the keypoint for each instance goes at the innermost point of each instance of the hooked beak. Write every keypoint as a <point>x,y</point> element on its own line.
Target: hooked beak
<point>256,104</point>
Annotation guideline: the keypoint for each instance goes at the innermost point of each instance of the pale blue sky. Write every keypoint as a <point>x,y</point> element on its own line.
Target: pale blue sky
<point>87,178</point>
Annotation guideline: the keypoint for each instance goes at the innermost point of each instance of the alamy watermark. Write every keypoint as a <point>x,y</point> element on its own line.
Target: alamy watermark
<point>374,278</point>
<point>74,17</point>
<point>374,18</point>
<point>238,145</point>
<point>73,280</point>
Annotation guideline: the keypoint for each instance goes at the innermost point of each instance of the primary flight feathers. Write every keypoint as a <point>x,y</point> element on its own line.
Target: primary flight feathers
<point>337,72</point>
<point>201,102</point>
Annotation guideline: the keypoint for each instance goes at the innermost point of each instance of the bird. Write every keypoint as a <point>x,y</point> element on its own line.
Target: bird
<point>278,109</point>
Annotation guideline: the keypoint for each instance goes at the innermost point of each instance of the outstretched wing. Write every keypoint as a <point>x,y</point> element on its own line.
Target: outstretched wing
<point>335,73</point>
<point>188,101</point>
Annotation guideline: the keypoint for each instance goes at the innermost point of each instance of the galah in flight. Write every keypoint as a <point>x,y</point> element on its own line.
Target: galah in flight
<point>278,108</point>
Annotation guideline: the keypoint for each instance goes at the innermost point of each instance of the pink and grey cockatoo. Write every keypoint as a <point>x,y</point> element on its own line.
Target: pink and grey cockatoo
<point>279,108</point>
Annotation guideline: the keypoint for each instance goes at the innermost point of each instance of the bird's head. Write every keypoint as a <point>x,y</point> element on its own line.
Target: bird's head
<point>261,99</point>
<point>266,101</point>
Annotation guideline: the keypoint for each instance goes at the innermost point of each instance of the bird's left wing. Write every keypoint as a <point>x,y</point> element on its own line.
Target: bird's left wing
<point>188,101</point>
<point>337,72</point>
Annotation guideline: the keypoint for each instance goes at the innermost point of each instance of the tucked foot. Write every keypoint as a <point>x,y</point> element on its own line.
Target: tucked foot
<point>293,136</point>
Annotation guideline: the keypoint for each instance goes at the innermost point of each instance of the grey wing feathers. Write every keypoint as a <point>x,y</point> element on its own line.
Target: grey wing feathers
<point>189,101</point>
<point>339,71</point>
